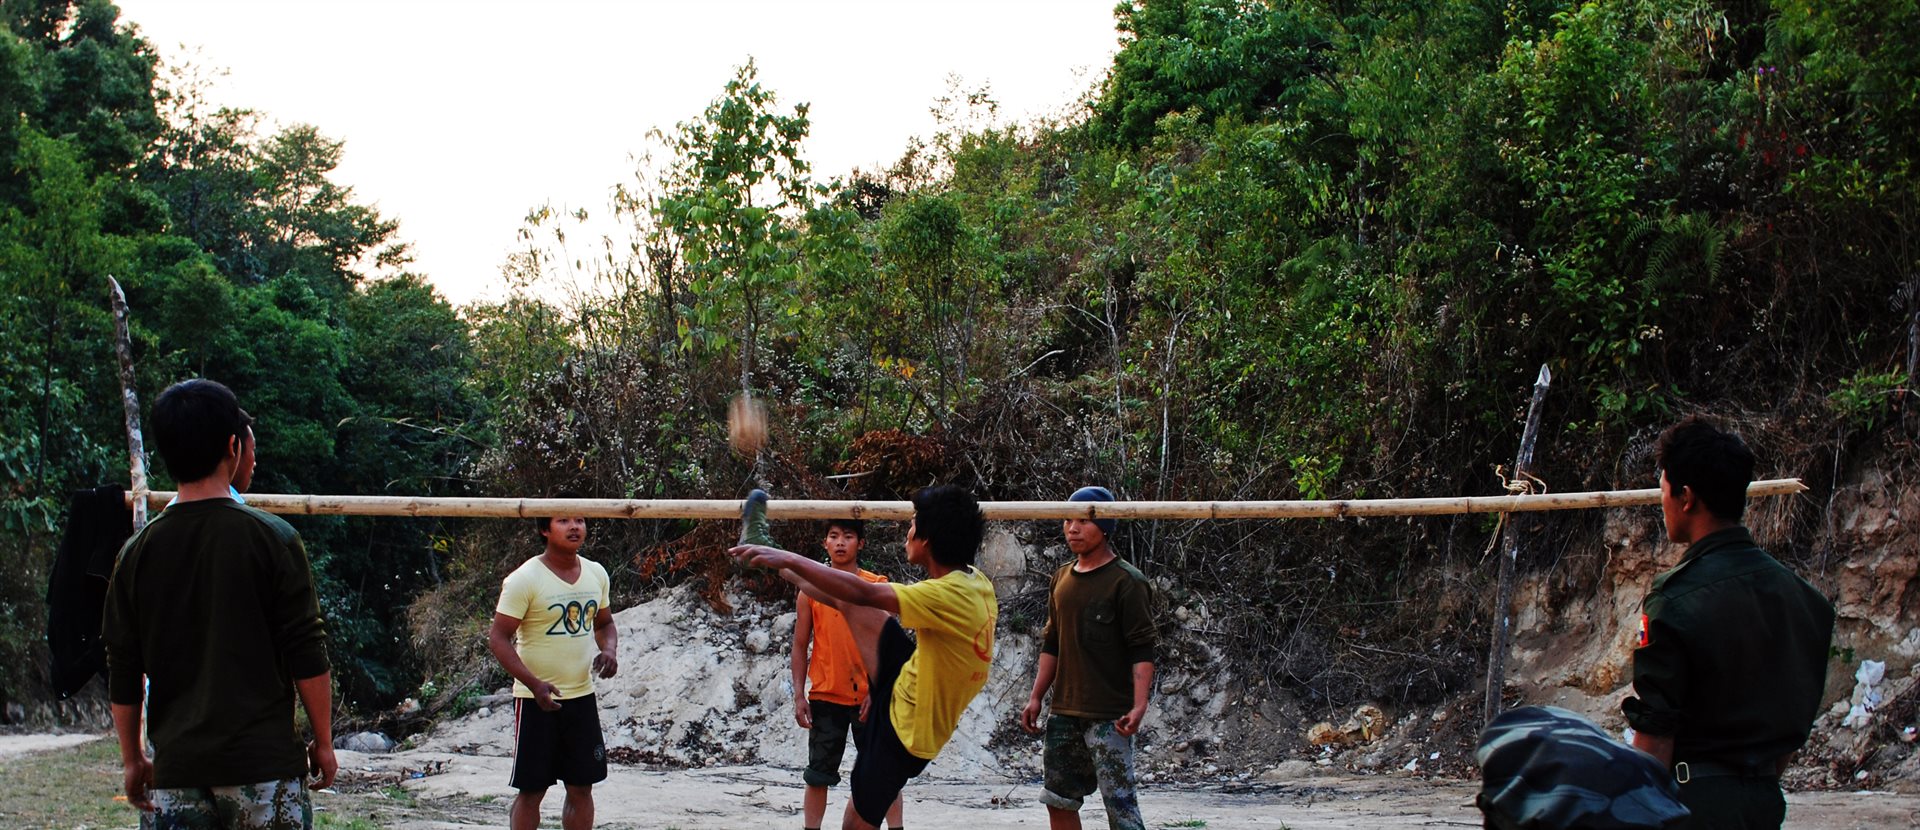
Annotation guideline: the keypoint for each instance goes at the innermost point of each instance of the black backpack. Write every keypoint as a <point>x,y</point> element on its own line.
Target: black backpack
<point>1543,768</point>
<point>98,524</point>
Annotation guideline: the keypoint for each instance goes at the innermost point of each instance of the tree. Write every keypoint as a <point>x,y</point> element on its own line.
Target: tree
<point>1217,57</point>
<point>732,203</point>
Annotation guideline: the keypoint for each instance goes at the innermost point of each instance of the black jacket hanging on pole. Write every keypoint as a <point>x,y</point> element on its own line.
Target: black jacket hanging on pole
<point>98,523</point>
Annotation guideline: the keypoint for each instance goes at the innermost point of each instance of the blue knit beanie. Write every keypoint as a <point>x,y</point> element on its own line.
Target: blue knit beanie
<point>1107,526</point>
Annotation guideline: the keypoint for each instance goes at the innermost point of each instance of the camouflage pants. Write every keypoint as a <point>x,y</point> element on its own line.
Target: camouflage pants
<point>272,805</point>
<point>1083,755</point>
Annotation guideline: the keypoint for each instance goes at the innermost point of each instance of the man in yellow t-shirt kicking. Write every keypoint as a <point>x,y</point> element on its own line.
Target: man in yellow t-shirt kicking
<point>918,693</point>
<point>553,631</point>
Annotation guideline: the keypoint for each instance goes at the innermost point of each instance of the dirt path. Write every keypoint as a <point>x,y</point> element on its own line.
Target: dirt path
<point>471,791</point>
<point>12,746</point>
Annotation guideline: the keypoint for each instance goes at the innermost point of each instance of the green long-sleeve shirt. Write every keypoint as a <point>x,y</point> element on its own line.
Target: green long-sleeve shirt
<point>1734,656</point>
<point>213,603</point>
<point>1099,624</point>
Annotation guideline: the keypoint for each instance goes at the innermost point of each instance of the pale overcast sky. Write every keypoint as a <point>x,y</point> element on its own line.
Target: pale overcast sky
<point>459,117</point>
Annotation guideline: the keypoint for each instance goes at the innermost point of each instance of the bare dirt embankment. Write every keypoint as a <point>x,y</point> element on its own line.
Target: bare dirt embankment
<point>701,717</point>
<point>701,722</point>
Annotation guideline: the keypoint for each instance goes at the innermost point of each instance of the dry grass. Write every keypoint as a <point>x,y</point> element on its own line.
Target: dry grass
<point>63,789</point>
<point>74,787</point>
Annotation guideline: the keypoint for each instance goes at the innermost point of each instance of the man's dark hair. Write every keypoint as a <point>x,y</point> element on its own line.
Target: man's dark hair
<point>192,421</point>
<point>1717,465</point>
<point>541,523</point>
<point>949,519</point>
<point>857,527</point>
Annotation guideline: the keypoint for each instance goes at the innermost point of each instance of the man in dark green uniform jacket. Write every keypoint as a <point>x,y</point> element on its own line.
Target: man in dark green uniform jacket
<point>1732,656</point>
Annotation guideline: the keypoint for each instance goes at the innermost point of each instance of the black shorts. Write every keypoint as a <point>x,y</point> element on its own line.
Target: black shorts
<point>883,766</point>
<point>563,746</point>
<point>827,741</point>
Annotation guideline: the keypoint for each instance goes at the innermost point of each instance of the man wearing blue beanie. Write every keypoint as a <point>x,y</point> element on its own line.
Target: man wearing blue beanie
<point>1097,657</point>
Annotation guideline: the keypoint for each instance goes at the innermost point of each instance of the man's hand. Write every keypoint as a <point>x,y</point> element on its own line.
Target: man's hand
<point>322,764</point>
<point>543,693</point>
<point>606,663</point>
<point>1129,723</point>
<point>802,713</point>
<point>139,784</point>
<point>866,705</point>
<point>1030,716</point>
<point>759,556</point>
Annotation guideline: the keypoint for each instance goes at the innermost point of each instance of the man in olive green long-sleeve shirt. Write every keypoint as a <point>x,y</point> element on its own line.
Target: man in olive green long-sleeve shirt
<point>212,622</point>
<point>1097,658</point>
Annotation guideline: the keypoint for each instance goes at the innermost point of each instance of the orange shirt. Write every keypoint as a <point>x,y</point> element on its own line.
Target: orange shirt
<point>835,672</point>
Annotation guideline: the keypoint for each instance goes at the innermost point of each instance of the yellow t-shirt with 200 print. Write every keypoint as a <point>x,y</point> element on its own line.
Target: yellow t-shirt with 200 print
<point>555,639</point>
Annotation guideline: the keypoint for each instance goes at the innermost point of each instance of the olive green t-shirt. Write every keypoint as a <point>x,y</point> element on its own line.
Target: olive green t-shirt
<point>1099,624</point>
<point>213,604</point>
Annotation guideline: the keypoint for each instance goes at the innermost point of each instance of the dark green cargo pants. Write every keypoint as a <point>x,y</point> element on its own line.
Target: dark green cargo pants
<point>1732,802</point>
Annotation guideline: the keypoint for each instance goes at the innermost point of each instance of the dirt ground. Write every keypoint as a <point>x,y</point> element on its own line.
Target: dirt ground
<point>16,745</point>
<point>427,790</point>
<point>768,797</point>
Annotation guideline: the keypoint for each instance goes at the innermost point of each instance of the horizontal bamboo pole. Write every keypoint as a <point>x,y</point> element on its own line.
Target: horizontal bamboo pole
<point>999,510</point>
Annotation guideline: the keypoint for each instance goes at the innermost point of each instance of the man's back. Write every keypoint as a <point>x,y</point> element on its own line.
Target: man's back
<point>1735,660</point>
<point>954,617</point>
<point>214,603</point>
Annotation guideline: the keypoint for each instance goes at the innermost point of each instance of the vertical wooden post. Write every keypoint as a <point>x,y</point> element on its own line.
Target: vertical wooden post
<point>1913,340</point>
<point>130,399</point>
<point>1503,603</point>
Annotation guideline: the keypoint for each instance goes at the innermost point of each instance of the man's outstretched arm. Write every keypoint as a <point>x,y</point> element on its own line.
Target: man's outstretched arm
<point>830,586</point>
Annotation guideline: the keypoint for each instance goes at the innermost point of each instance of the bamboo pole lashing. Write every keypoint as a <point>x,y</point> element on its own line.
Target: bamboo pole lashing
<point>511,508</point>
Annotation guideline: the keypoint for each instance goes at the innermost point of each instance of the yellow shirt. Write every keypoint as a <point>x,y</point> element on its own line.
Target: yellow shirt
<point>954,617</point>
<point>556,624</point>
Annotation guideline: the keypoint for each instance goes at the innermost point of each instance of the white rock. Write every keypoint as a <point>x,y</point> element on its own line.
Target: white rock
<point>1870,673</point>
<point>1288,771</point>
<point>1002,558</point>
<point>676,682</point>
<point>367,742</point>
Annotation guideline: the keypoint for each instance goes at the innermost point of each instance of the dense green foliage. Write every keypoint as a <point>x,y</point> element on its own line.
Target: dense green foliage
<point>1289,248</point>
<point>242,262</point>
<point>1292,249</point>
